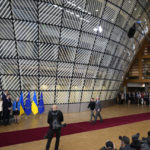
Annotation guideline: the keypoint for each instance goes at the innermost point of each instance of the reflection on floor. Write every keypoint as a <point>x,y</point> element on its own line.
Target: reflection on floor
<point>91,140</point>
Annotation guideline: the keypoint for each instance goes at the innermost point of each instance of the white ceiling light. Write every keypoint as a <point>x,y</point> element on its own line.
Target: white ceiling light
<point>100,29</point>
<point>95,29</point>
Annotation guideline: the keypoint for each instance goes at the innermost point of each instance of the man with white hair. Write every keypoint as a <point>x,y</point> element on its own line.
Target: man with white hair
<point>55,117</point>
<point>98,109</point>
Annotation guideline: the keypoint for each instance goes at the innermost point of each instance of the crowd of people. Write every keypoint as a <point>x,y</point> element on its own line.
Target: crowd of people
<point>135,144</point>
<point>134,98</point>
<point>7,107</point>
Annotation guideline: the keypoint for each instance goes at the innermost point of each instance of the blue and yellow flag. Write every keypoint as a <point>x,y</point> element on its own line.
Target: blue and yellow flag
<point>28,105</point>
<point>41,104</point>
<point>34,106</point>
<point>21,103</point>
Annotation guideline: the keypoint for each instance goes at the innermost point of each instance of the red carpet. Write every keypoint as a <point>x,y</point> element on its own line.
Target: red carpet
<point>22,136</point>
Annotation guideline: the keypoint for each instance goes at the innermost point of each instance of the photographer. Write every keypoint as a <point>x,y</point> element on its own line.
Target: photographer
<point>136,144</point>
<point>108,146</point>
<point>125,143</point>
<point>55,117</point>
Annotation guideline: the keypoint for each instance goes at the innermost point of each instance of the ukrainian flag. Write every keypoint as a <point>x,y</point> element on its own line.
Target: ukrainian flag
<point>34,106</point>
<point>21,103</point>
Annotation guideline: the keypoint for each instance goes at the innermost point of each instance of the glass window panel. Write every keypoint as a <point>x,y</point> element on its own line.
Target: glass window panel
<point>6,31</point>
<point>90,23</point>
<point>63,83</point>
<point>48,51</point>
<point>106,60</point>
<point>95,58</point>
<point>50,14</point>
<point>83,56</point>
<point>62,97</point>
<point>106,29</point>
<point>116,2</point>
<point>95,94</point>
<point>25,9</point>
<point>91,72</point>
<point>119,51</point>
<point>106,84</point>
<point>110,73</point>
<point>100,44</point>
<point>103,95</point>
<point>26,31</point>
<point>47,83</point>
<point>102,73</point>
<point>49,34</point>
<point>10,82</point>
<point>9,66</point>
<point>80,70</point>
<point>110,12</point>
<point>86,96</point>
<point>111,47</point>
<point>15,94</point>
<point>67,54</point>
<point>88,84</point>
<point>5,11</point>
<point>48,68</point>
<point>129,5</point>
<point>48,97</point>
<point>95,7</point>
<point>72,19</point>
<point>86,41</point>
<point>28,67</point>
<point>7,49</point>
<point>98,84</point>
<point>77,84</point>
<point>29,83</point>
<point>122,19</point>
<point>65,69</point>
<point>116,34</point>
<point>69,37</point>
<point>77,4</point>
<point>75,97</point>
<point>27,50</point>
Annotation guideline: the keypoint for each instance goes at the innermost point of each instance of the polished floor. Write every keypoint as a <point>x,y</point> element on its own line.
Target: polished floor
<point>91,140</point>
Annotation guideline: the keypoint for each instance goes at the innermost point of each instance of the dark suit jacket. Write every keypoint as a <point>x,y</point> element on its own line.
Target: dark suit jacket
<point>98,105</point>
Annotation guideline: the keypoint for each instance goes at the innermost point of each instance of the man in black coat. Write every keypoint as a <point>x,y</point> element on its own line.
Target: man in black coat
<point>5,107</point>
<point>55,117</point>
<point>91,106</point>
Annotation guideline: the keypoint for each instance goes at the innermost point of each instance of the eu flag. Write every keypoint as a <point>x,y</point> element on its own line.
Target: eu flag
<point>41,104</point>
<point>34,106</point>
<point>21,103</point>
<point>28,105</point>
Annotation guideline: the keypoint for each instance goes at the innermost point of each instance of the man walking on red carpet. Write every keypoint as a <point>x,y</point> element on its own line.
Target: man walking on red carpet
<point>55,117</point>
<point>98,109</point>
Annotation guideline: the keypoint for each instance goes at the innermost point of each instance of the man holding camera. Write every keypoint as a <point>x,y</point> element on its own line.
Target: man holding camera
<point>55,117</point>
<point>125,143</point>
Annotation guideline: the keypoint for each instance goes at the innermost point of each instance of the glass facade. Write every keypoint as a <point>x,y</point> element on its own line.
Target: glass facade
<point>71,50</point>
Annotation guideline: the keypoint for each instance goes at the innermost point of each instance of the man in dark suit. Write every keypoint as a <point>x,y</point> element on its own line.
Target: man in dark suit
<point>5,107</point>
<point>55,117</point>
<point>98,109</point>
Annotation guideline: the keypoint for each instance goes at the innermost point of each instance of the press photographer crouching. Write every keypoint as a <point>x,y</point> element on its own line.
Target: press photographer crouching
<point>125,143</point>
<point>55,117</point>
<point>136,143</point>
<point>108,146</point>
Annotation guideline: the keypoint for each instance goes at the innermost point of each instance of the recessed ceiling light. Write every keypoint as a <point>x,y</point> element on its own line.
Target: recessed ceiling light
<point>100,29</point>
<point>95,29</point>
<point>96,10</point>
